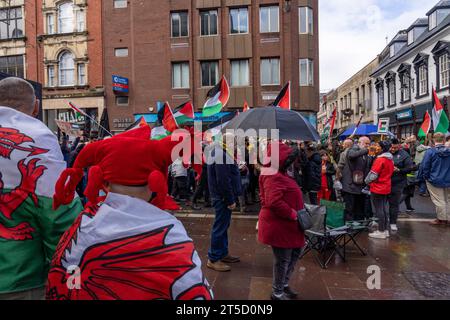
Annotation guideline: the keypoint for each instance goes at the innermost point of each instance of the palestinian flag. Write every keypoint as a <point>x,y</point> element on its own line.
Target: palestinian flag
<point>329,127</point>
<point>217,98</point>
<point>168,119</point>
<point>440,119</point>
<point>246,107</point>
<point>159,133</point>
<point>77,110</point>
<point>283,100</point>
<point>426,126</point>
<point>184,113</point>
<point>138,124</point>
<point>30,164</point>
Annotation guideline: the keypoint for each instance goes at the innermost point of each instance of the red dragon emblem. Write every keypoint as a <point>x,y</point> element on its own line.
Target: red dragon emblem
<point>140,267</point>
<point>11,140</point>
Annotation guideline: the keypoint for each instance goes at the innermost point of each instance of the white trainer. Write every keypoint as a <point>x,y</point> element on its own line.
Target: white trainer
<point>394,227</point>
<point>378,235</point>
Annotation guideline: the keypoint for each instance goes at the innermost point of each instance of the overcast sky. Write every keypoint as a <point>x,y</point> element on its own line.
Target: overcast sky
<point>353,32</point>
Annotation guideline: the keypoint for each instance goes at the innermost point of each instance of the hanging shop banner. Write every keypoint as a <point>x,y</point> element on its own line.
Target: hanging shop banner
<point>120,84</point>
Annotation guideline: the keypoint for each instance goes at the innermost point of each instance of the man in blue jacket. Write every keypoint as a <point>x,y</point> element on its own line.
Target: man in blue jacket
<point>225,188</point>
<point>435,170</point>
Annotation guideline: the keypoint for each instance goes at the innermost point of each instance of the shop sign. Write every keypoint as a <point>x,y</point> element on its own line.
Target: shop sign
<point>120,84</point>
<point>122,123</point>
<point>405,114</point>
<point>383,125</point>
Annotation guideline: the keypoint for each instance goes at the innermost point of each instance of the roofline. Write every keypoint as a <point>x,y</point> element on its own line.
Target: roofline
<point>436,7</point>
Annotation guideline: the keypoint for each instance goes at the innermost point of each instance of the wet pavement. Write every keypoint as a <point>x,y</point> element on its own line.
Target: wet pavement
<point>413,262</point>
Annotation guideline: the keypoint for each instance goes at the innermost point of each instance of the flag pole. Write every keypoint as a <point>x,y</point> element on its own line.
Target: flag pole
<point>89,117</point>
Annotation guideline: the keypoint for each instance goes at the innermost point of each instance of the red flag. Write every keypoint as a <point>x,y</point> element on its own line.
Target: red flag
<point>333,122</point>
<point>284,98</point>
<point>169,122</point>
<point>246,107</point>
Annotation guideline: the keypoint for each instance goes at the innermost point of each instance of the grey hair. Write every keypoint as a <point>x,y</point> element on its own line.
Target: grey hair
<point>18,94</point>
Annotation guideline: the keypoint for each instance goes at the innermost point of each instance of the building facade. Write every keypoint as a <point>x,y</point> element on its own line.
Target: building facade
<point>415,61</point>
<point>176,51</point>
<point>19,49</point>
<point>72,60</point>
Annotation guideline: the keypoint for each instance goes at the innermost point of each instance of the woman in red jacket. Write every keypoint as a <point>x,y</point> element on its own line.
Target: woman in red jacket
<point>379,180</point>
<point>281,199</point>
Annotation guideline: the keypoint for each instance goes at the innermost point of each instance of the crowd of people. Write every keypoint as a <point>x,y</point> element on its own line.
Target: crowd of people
<point>50,245</point>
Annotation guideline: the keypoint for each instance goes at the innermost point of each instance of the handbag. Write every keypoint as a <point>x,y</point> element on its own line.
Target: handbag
<point>304,220</point>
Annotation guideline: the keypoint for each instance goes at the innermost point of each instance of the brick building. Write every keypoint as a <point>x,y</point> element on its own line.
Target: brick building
<point>177,50</point>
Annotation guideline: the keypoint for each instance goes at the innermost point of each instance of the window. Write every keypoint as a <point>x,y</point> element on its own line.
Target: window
<point>122,101</point>
<point>121,52</point>
<point>208,23</point>
<point>306,20</point>
<point>306,72</point>
<point>432,20</point>
<point>80,21</point>
<point>119,4</point>
<point>50,24</point>
<point>66,69</point>
<point>11,23</point>
<point>239,20</point>
<point>444,71</point>
<point>180,25</point>
<point>240,73</point>
<point>269,19</point>
<point>391,92</point>
<point>423,80</point>
<point>210,73</point>
<point>180,75</point>
<point>380,90</point>
<point>410,36</point>
<point>81,74</point>
<point>270,72</point>
<point>12,65</point>
<point>50,76</point>
<point>405,87</point>
<point>392,51</point>
<point>65,18</point>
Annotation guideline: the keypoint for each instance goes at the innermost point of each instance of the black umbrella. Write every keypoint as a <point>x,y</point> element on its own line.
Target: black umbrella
<point>291,125</point>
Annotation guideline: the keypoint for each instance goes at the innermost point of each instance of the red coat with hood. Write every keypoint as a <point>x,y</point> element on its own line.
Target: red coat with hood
<point>281,199</point>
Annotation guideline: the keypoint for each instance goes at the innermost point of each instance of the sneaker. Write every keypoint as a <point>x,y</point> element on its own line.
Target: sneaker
<point>279,297</point>
<point>378,235</point>
<point>218,266</point>
<point>410,210</point>
<point>425,195</point>
<point>231,259</point>
<point>394,227</point>
<point>290,293</point>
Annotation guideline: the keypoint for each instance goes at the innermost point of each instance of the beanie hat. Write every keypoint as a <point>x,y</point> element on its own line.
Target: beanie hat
<point>385,145</point>
<point>129,159</point>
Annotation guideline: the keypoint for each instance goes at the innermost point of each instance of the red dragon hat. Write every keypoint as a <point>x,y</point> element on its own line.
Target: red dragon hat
<point>129,159</point>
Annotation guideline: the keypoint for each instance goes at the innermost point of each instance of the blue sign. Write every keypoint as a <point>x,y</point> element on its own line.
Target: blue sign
<point>120,84</point>
<point>405,114</point>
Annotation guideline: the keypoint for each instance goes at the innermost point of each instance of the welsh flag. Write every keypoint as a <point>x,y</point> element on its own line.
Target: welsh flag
<point>440,119</point>
<point>283,100</point>
<point>184,113</point>
<point>30,164</point>
<point>217,98</point>
<point>426,126</point>
<point>329,127</point>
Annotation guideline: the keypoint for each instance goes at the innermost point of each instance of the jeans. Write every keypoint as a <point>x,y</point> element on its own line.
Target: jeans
<point>219,234</point>
<point>395,199</point>
<point>381,211</point>
<point>283,267</point>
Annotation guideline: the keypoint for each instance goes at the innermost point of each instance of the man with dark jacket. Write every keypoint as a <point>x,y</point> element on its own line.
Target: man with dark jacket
<point>357,166</point>
<point>225,188</point>
<point>403,165</point>
<point>312,173</point>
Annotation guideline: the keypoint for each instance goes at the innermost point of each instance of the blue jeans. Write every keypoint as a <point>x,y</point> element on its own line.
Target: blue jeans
<point>423,187</point>
<point>219,234</point>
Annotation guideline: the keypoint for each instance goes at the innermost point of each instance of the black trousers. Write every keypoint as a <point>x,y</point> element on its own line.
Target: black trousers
<point>355,206</point>
<point>202,189</point>
<point>395,199</point>
<point>284,264</point>
<point>180,187</point>
<point>381,210</point>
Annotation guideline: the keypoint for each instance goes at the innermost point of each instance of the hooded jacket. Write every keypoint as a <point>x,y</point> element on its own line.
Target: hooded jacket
<point>435,167</point>
<point>281,199</point>
<point>403,161</point>
<point>420,153</point>
<point>357,160</point>
<point>380,177</point>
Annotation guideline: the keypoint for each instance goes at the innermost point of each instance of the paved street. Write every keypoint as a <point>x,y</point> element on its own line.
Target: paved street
<point>417,250</point>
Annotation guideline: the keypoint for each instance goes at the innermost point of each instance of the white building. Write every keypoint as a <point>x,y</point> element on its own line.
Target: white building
<point>415,61</point>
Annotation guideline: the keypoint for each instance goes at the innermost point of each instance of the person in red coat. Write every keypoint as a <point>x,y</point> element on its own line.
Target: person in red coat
<point>281,199</point>
<point>379,180</point>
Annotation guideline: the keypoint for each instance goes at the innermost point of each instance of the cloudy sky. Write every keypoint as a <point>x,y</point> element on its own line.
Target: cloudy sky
<point>353,32</point>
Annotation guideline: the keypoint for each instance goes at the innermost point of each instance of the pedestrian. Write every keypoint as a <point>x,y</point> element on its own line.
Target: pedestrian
<point>180,180</point>
<point>225,188</point>
<point>403,165</point>
<point>245,181</point>
<point>380,182</point>
<point>125,248</point>
<point>312,173</point>
<point>421,149</point>
<point>30,163</point>
<point>435,171</point>
<point>328,175</point>
<point>202,190</point>
<point>357,166</point>
<point>346,145</point>
<point>281,199</point>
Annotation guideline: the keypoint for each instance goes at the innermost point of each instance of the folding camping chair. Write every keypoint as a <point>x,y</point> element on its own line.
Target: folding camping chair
<point>322,238</point>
